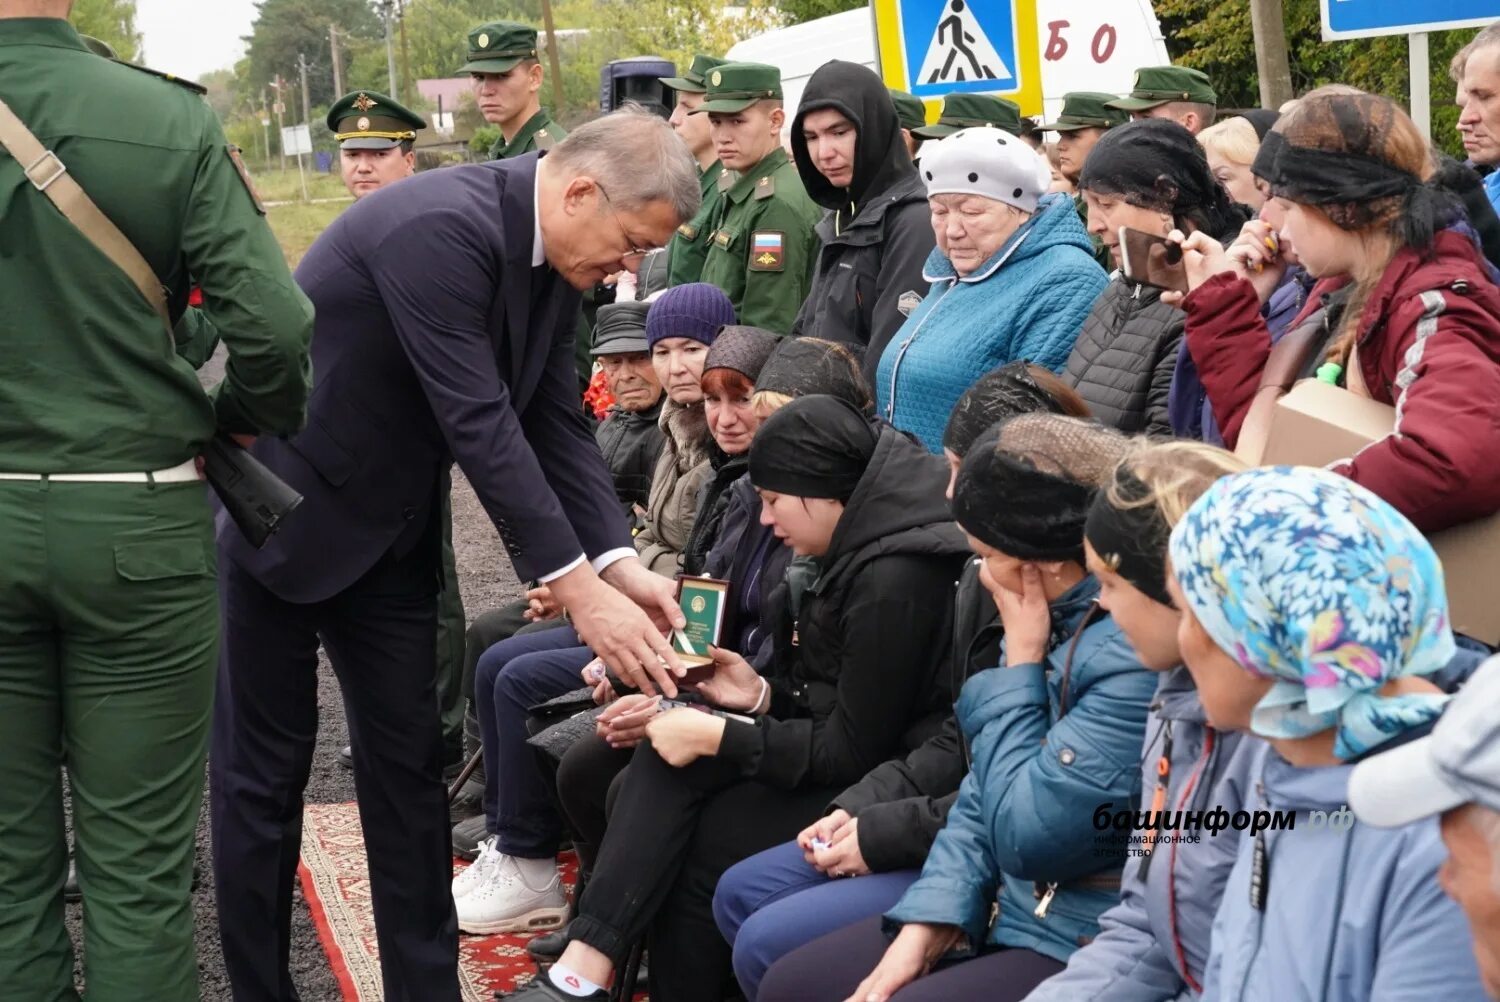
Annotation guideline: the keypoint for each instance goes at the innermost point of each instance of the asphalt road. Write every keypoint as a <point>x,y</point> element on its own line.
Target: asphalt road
<point>486,581</point>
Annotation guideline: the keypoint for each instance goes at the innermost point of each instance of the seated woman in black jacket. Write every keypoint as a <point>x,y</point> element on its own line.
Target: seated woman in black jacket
<point>1148,175</point>
<point>867,611</point>
<point>883,825</point>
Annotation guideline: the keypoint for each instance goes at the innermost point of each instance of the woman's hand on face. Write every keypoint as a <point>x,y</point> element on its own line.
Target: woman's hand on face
<point>1257,256</point>
<point>623,723</point>
<point>734,685</point>
<point>1026,617</point>
<point>682,736</point>
<point>1202,259</point>
<point>911,954</point>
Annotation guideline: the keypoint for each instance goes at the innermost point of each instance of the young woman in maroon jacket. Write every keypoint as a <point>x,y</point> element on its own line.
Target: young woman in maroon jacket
<point>1417,319</point>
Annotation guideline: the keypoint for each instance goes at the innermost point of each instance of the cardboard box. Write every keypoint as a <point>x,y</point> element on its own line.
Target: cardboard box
<point>1317,424</point>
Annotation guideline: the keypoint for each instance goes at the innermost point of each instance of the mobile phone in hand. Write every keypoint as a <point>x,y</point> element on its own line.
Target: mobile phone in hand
<point>1153,260</point>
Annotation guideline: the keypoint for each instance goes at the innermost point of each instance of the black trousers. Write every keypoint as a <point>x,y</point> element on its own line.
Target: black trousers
<point>589,778</point>
<point>672,834</point>
<point>829,969</point>
<point>380,638</point>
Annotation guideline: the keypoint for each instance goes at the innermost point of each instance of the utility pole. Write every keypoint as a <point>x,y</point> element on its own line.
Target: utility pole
<point>338,69</point>
<point>306,104</point>
<point>406,80</point>
<point>265,124</point>
<point>390,51</point>
<point>280,107</point>
<point>1271,62</point>
<point>554,69</point>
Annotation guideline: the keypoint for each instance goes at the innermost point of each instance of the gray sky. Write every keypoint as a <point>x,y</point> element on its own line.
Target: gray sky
<point>191,37</point>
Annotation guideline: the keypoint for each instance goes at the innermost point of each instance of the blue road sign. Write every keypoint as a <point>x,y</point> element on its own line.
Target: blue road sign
<point>1367,18</point>
<point>960,45</point>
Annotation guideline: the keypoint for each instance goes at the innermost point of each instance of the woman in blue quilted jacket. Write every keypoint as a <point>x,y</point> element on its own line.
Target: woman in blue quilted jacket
<point>1013,278</point>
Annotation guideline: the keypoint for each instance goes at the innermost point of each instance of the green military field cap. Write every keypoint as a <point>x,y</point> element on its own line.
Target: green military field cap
<point>1087,109</point>
<point>365,120</point>
<point>736,86</point>
<point>695,80</point>
<point>497,47</point>
<point>1159,85</point>
<point>967,111</point>
<point>910,110</point>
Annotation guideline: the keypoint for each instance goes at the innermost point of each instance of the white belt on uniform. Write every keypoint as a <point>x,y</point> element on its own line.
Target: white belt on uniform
<point>180,474</point>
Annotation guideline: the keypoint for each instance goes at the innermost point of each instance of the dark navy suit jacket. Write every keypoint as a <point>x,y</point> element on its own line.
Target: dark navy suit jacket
<point>436,340</point>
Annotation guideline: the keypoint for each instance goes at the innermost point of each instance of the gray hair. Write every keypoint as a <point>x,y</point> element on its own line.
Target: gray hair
<point>1488,38</point>
<point>638,159</point>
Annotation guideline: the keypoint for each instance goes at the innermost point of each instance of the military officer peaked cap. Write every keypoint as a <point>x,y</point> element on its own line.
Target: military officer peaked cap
<point>498,46</point>
<point>365,120</point>
<point>734,87</point>
<point>967,111</point>
<point>695,80</point>
<point>910,110</point>
<point>1084,109</point>
<point>1159,85</point>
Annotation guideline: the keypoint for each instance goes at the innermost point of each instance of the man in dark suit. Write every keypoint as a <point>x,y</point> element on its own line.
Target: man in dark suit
<point>445,318</point>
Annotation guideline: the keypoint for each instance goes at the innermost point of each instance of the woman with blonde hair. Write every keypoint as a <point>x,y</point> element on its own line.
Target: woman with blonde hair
<point>1231,146</point>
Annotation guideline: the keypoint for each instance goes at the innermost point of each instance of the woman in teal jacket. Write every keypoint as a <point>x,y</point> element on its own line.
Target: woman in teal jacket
<point>1016,880</point>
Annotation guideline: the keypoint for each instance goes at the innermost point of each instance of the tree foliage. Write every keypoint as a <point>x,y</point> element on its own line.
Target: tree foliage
<point>286,29</point>
<point>1215,36</point>
<point>112,22</point>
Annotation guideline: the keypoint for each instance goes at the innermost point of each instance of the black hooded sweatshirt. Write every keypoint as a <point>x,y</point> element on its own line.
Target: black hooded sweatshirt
<point>858,665</point>
<point>877,233</point>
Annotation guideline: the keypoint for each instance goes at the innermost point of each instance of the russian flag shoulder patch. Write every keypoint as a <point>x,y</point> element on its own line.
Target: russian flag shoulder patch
<point>767,250</point>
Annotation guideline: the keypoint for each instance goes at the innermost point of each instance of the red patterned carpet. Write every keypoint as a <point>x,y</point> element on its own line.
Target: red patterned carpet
<point>337,886</point>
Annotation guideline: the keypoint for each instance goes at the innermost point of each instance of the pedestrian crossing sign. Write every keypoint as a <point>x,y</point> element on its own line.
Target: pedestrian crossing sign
<point>934,47</point>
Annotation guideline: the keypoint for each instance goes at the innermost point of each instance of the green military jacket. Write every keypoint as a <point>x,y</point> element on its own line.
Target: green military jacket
<point>89,380</point>
<point>688,248</point>
<point>763,248</point>
<point>539,133</point>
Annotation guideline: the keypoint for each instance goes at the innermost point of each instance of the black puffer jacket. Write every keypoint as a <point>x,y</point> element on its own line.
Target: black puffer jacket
<point>902,804</point>
<point>631,443</point>
<point>1123,360</point>
<point>854,670</point>
<point>754,561</point>
<point>877,232</point>
<point>713,501</point>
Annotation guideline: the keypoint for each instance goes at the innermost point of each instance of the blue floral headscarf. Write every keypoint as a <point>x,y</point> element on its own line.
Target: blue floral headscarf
<point>1307,578</point>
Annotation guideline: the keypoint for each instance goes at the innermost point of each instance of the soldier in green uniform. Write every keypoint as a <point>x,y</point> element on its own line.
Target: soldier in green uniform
<point>762,248</point>
<point>507,79</point>
<point>1085,116</point>
<point>967,111</point>
<point>375,134</point>
<point>689,245</point>
<point>108,606</point>
<point>1184,95</point>
<point>912,114</point>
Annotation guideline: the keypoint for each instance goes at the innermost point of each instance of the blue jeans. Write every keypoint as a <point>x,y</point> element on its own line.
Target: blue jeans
<point>511,678</point>
<point>772,903</point>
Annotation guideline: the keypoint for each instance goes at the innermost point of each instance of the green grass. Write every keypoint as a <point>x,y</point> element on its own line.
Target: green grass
<point>296,226</point>
<point>283,185</point>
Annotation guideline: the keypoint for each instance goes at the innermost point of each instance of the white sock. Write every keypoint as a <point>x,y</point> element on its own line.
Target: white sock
<point>536,873</point>
<point>571,982</point>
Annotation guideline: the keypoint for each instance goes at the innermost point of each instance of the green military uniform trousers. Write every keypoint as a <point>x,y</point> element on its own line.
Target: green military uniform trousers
<point>109,634</point>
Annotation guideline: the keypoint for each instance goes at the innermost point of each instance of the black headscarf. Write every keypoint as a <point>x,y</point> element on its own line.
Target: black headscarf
<point>1261,120</point>
<point>880,156</point>
<point>814,447</point>
<point>1157,164</point>
<point>999,394</point>
<point>805,366</point>
<point>1131,539</point>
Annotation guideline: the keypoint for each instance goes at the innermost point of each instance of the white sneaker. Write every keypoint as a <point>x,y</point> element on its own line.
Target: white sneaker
<point>473,875</point>
<point>499,900</point>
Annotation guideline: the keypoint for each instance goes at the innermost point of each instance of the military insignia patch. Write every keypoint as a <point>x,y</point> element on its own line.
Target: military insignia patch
<point>363,125</point>
<point>363,103</point>
<point>767,251</point>
<point>236,158</point>
<point>484,41</point>
<point>687,231</point>
<point>723,239</point>
<point>716,79</point>
<point>908,301</point>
